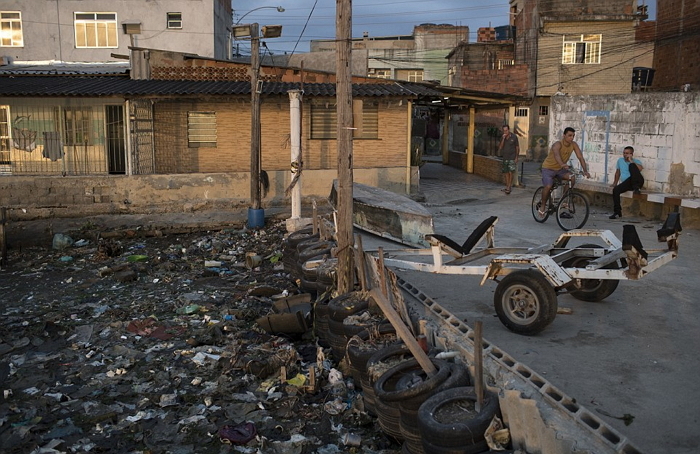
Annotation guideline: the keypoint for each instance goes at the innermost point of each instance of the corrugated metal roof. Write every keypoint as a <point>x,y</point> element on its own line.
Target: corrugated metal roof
<point>113,86</point>
<point>42,68</point>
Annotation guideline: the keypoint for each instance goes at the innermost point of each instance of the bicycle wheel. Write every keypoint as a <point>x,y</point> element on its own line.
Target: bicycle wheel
<point>536,202</point>
<point>572,211</point>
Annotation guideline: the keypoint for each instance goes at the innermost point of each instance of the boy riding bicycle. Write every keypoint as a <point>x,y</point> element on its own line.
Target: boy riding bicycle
<point>556,165</point>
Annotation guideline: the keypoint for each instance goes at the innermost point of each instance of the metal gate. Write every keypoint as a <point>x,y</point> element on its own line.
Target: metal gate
<point>142,136</point>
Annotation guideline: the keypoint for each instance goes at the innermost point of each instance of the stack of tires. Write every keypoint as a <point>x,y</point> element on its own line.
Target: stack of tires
<point>290,257</point>
<point>449,423</point>
<point>348,315</point>
<point>412,387</point>
<point>310,253</point>
<point>387,414</point>
<point>366,343</point>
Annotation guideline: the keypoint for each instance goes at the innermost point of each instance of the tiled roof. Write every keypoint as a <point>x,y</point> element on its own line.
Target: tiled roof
<point>116,86</point>
<point>43,68</point>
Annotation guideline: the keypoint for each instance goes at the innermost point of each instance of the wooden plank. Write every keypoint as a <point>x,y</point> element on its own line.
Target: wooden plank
<point>478,365</point>
<point>403,332</point>
<point>3,238</point>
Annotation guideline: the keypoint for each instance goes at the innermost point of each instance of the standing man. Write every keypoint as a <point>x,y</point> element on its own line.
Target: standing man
<point>509,149</point>
<point>628,170</point>
<point>556,165</point>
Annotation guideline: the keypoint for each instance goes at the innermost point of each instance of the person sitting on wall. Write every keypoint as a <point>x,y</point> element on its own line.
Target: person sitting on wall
<point>628,170</point>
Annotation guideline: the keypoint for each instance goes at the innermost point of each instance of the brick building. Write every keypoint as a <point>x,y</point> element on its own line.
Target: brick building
<point>677,46</point>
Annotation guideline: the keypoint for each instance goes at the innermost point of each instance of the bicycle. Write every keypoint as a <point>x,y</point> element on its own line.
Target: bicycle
<point>570,207</point>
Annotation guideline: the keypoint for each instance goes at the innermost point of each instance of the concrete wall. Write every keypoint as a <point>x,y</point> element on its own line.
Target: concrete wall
<point>49,33</point>
<point>662,128</point>
<point>43,197</point>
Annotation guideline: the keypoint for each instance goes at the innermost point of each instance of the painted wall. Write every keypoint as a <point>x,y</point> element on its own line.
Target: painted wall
<point>49,33</point>
<point>612,76</point>
<point>662,128</point>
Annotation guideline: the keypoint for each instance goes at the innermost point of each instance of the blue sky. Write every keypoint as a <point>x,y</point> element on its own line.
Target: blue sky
<point>304,20</point>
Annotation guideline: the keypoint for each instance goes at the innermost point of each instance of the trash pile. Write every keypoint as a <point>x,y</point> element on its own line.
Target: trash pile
<point>153,343</point>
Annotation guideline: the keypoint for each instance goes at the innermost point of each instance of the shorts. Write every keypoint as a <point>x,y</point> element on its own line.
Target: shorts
<point>548,175</point>
<point>508,166</point>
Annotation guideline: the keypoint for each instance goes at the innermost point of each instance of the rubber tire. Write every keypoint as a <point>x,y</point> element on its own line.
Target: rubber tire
<point>541,296</point>
<point>536,198</point>
<point>294,238</point>
<point>429,385</point>
<point>319,249</point>
<point>455,433</point>
<point>579,201</point>
<point>344,305</point>
<point>595,290</point>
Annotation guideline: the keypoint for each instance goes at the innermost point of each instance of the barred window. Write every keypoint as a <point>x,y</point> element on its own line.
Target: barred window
<point>201,129</point>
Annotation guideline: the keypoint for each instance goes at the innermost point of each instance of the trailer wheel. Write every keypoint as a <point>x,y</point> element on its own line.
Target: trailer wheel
<point>592,290</point>
<point>525,302</point>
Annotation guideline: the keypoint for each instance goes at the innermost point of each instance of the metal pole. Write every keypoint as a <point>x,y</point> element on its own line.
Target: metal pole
<point>255,118</point>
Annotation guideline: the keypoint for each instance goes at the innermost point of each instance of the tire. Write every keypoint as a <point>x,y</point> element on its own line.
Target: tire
<point>318,249</point>
<point>458,432</point>
<point>592,290</point>
<point>536,201</point>
<point>407,367</point>
<point>576,206</point>
<point>344,305</point>
<point>525,302</point>
<point>297,237</point>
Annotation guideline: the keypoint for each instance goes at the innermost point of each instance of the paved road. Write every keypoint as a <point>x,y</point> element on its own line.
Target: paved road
<point>634,353</point>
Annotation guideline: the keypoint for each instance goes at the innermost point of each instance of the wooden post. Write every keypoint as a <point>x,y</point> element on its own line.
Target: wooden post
<point>3,237</point>
<point>254,117</point>
<point>343,89</point>
<point>478,366</point>
<point>360,263</point>
<point>403,332</point>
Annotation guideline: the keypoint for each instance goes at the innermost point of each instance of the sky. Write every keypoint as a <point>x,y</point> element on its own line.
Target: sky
<point>304,20</point>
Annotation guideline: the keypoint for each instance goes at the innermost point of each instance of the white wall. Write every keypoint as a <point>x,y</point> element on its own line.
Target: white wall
<point>663,128</point>
<point>45,39</point>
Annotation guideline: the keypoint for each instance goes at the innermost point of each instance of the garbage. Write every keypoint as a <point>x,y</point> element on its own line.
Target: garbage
<point>112,354</point>
<point>61,241</point>
<point>239,434</point>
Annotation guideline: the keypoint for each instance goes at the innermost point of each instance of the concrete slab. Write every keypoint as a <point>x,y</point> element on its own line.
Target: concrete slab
<point>633,354</point>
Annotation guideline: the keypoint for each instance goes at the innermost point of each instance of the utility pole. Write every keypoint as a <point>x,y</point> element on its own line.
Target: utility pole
<point>254,124</point>
<point>343,94</point>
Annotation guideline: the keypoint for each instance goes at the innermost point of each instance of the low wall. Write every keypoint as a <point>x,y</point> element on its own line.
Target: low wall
<point>485,166</point>
<point>35,197</point>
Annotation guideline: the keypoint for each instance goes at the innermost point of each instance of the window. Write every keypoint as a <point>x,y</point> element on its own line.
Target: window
<point>77,125</point>
<point>174,20</point>
<point>581,49</point>
<point>380,73</point>
<point>502,63</point>
<point>94,30</point>
<point>411,75</point>
<point>365,117</point>
<point>4,135</point>
<point>544,110</point>
<point>522,112</point>
<point>11,29</point>
<point>201,129</point>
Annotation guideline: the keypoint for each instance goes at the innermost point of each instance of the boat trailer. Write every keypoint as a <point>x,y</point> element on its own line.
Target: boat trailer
<point>529,279</point>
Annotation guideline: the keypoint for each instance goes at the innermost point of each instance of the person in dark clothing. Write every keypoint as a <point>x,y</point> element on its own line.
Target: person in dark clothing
<point>628,171</point>
<point>509,148</point>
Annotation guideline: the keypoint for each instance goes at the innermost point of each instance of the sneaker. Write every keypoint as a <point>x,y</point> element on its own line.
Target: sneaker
<point>566,215</point>
<point>615,216</point>
<point>637,191</point>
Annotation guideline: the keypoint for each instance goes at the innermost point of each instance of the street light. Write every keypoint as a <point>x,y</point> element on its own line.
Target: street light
<point>256,215</point>
<point>278,8</point>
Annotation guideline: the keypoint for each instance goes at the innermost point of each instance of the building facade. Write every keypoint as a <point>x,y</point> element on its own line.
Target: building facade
<point>97,30</point>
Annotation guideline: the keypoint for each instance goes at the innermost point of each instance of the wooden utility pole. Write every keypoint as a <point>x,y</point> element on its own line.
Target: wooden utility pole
<point>254,117</point>
<point>343,95</point>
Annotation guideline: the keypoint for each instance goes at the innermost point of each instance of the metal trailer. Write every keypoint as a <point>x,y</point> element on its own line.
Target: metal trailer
<point>529,279</point>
